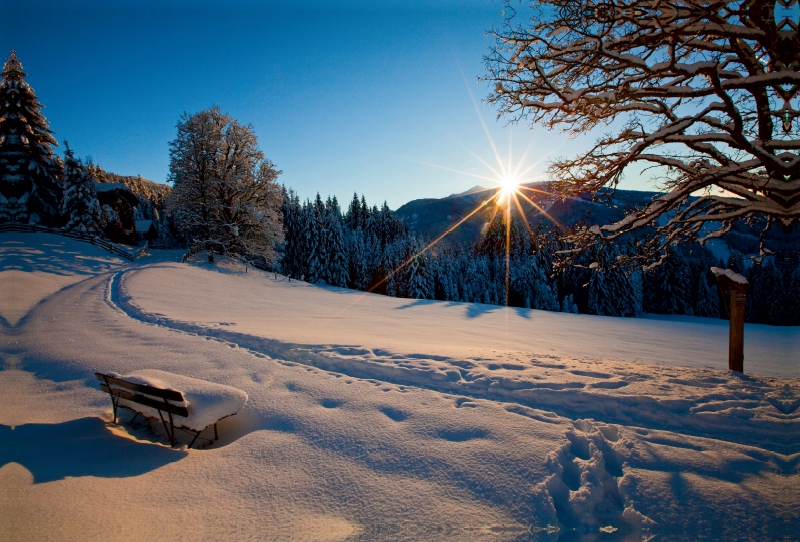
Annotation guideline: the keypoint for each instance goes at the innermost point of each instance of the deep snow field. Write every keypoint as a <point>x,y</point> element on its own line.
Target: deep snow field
<point>374,418</point>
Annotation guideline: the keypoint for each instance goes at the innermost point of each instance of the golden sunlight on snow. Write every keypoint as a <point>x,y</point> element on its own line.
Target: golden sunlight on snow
<point>22,290</point>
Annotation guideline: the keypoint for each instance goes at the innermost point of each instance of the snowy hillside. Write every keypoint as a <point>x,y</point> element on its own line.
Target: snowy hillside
<point>375,418</point>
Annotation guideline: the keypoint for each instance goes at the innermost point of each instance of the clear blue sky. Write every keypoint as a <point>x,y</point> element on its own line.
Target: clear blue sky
<point>345,95</point>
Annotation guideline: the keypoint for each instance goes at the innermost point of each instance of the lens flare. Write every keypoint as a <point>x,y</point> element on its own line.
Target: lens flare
<point>509,185</point>
<point>509,180</point>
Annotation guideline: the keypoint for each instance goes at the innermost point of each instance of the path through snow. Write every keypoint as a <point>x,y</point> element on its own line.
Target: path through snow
<point>373,418</point>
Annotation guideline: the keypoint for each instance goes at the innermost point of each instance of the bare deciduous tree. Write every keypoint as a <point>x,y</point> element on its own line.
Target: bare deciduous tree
<point>225,197</point>
<point>706,91</point>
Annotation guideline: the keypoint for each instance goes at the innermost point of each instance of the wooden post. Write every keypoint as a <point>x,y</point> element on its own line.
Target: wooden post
<point>737,303</point>
<point>734,291</point>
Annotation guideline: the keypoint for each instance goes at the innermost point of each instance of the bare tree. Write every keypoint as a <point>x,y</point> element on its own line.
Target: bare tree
<point>225,197</point>
<point>704,91</point>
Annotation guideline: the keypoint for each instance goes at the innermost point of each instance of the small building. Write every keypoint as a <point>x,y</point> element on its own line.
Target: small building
<point>122,201</point>
<point>146,231</point>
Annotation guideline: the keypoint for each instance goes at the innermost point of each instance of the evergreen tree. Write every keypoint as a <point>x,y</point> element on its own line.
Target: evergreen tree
<point>568,305</point>
<point>529,282</point>
<point>357,260</point>
<point>707,303</point>
<point>292,262</point>
<point>29,171</point>
<point>365,213</point>
<point>111,223</point>
<point>353,219</point>
<point>313,268</point>
<point>80,206</point>
<point>670,286</point>
<point>480,286</point>
<point>766,299</point>
<point>412,274</point>
<point>445,272</point>
<point>336,269</point>
<point>613,290</point>
<point>736,263</point>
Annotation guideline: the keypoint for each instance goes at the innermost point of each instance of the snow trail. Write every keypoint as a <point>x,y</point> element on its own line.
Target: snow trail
<point>366,441</point>
<point>727,406</point>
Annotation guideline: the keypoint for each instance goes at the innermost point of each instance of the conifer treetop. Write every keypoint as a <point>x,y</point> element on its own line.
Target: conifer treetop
<point>12,69</point>
<point>25,111</point>
<point>29,170</point>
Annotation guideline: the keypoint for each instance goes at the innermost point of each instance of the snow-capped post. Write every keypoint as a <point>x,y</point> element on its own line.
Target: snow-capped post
<point>734,291</point>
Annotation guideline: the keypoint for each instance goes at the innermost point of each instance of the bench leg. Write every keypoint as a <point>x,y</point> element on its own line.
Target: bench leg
<point>194,439</point>
<point>170,434</point>
<point>113,402</point>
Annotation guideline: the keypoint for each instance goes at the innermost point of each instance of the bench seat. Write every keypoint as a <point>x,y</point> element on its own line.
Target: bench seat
<point>183,402</point>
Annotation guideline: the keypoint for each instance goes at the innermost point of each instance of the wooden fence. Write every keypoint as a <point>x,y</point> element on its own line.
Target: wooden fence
<point>96,241</point>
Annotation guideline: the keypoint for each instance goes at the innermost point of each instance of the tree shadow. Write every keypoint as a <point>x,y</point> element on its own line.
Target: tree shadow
<point>474,310</point>
<point>416,303</point>
<point>82,447</point>
<point>523,312</point>
<point>55,254</point>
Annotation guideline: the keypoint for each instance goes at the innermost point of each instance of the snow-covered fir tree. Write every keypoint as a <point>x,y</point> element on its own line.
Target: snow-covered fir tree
<point>336,252</point>
<point>613,289</point>
<point>707,299</point>
<point>313,249</point>
<point>30,172</point>
<point>292,260</point>
<point>373,254</point>
<point>773,295</point>
<point>568,305</point>
<point>358,258</point>
<point>410,272</point>
<point>529,282</point>
<point>670,286</point>
<point>446,272</point>
<point>355,216</point>
<point>111,223</point>
<point>80,207</point>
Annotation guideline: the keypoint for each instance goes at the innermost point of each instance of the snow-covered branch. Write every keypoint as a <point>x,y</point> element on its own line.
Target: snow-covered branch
<point>710,91</point>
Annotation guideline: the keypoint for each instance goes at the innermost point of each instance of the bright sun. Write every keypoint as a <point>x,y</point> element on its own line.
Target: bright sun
<point>508,186</point>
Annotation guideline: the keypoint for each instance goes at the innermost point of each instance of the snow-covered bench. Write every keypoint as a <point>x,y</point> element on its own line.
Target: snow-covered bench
<point>180,402</point>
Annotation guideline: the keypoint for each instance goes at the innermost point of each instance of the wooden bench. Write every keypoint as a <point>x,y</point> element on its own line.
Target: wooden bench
<point>154,394</point>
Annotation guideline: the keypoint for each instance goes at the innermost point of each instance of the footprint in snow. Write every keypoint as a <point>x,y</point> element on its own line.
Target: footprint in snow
<point>394,414</point>
<point>331,403</point>
<point>464,402</point>
<point>462,434</point>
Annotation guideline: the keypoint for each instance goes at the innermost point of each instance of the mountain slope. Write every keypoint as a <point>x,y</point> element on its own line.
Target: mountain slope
<point>433,217</point>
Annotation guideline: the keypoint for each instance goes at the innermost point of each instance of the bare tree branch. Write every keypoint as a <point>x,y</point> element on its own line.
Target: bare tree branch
<point>709,91</point>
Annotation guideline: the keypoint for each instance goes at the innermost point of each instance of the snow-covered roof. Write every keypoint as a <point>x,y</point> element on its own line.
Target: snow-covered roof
<point>732,275</point>
<point>108,187</point>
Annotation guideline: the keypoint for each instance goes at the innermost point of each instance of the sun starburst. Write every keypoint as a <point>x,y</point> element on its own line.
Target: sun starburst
<point>509,185</point>
<point>509,180</point>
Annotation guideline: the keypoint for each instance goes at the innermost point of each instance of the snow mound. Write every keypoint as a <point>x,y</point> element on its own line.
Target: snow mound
<point>207,402</point>
<point>732,275</point>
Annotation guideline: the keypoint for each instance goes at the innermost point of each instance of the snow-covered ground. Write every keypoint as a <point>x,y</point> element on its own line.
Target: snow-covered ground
<point>373,418</point>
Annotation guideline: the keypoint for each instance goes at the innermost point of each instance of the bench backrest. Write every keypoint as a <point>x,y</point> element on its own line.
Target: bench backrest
<point>139,394</point>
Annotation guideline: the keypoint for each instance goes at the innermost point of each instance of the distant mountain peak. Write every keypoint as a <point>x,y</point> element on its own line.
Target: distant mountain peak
<point>476,188</point>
